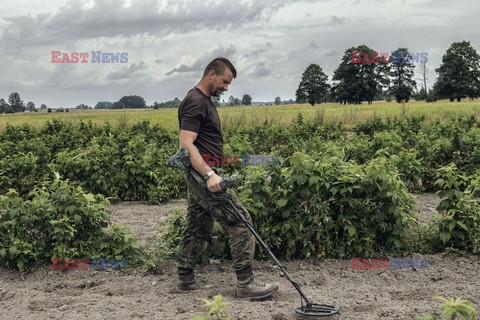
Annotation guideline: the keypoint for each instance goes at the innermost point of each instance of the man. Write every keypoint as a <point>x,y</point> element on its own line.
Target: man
<point>200,133</point>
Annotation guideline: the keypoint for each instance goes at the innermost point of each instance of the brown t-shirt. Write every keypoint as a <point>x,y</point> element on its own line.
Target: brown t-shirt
<point>197,113</point>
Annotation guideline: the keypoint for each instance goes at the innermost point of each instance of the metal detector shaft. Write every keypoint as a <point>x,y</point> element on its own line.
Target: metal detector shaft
<point>263,244</point>
<point>309,309</point>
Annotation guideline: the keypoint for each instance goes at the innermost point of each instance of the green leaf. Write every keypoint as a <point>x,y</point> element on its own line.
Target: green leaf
<point>351,230</point>
<point>282,202</point>
<point>451,225</point>
<point>461,224</point>
<point>444,236</point>
<point>77,218</point>
<point>89,197</point>
<point>13,251</point>
<point>313,180</point>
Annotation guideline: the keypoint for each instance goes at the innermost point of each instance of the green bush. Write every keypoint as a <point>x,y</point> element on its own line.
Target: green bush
<point>311,208</point>
<point>22,164</point>
<point>458,219</point>
<point>60,220</point>
<point>95,167</point>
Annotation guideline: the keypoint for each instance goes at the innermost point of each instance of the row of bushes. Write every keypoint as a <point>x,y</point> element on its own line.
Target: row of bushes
<point>120,163</point>
<point>419,147</point>
<point>306,207</point>
<point>129,163</point>
<point>313,207</point>
<point>336,192</point>
<point>326,206</point>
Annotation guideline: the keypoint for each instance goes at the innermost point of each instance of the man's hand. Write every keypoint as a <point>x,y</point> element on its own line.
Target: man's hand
<point>213,183</point>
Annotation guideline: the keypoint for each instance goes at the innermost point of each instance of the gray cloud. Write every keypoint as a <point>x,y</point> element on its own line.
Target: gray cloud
<point>313,45</point>
<point>200,63</point>
<point>331,53</point>
<point>335,21</point>
<point>261,70</point>
<point>131,72</point>
<point>257,52</point>
<point>107,18</point>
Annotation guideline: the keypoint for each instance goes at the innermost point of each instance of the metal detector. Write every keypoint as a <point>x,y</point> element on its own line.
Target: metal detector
<point>181,160</point>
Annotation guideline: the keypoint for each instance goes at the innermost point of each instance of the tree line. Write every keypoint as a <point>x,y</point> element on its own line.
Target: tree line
<point>15,104</point>
<point>354,83</point>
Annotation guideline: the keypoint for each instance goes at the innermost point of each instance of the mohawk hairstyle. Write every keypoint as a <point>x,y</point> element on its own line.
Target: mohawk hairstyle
<point>219,65</point>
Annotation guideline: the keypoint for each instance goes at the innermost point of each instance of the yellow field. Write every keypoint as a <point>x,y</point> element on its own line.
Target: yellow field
<point>249,115</point>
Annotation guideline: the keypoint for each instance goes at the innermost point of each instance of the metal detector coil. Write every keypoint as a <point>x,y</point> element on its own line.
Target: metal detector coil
<point>316,310</point>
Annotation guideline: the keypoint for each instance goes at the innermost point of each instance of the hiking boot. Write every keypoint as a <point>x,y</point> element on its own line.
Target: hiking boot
<point>247,288</point>
<point>186,279</point>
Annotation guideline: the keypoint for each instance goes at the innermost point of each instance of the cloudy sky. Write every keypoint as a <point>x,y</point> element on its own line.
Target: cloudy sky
<point>170,42</point>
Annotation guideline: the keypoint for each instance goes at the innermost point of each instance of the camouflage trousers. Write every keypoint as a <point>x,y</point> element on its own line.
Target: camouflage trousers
<point>201,212</point>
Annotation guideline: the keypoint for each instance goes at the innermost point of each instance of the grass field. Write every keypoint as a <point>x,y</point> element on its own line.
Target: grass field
<point>250,115</point>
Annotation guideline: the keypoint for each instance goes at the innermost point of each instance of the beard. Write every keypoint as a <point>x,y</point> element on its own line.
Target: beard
<point>215,92</point>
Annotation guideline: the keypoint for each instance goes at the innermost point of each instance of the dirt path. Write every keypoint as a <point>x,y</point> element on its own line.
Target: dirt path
<point>135,294</point>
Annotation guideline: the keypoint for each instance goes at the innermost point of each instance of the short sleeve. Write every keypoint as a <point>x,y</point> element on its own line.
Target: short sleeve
<point>192,117</point>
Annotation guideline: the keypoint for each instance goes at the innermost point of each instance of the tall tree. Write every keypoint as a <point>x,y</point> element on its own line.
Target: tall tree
<point>3,105</point>
<point>30,106</point>
<point>313,87</point>
<point>16,103</point>
<point>459,73</point>
<point>401,73</point>
<point>361,80</point>
<point>423,69</point>
<point>232,101</point>
<point>133,102</point>
<point>215,100</point>
<point>246,100</point>
<point>103,105</point>
<point>278,101</point>
<point>118,105</point>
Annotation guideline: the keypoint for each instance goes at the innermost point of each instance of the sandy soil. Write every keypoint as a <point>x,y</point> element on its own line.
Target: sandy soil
<point>136,294</point>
